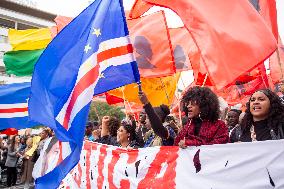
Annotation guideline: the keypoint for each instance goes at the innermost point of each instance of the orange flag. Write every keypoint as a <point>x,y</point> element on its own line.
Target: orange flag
<point>158,90</point>
<point>227,49</point>
<point>182,45</point>
<point>152,45</point>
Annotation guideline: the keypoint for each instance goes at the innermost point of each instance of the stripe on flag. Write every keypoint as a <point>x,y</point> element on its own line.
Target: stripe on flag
<point>13,110</point>
<point>113,52</point>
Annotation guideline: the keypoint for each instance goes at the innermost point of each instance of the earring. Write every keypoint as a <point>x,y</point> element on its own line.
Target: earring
<point>199,115</point>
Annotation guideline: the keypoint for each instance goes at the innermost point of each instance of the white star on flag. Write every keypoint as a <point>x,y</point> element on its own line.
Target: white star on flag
<point>87,48</point>
<point>97,32</point>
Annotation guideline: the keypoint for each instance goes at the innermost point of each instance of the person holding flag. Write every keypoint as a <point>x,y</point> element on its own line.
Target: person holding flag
<point>91,55</point>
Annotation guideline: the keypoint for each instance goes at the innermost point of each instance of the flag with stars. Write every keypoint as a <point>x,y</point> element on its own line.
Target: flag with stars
<point>91,55</point>
<point>14,106</point>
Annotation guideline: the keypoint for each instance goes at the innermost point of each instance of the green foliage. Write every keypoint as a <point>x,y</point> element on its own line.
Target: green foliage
<point>102,109</point>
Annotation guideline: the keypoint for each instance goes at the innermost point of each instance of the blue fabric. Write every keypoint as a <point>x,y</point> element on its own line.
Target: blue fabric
<point>14,94</point>
<point>57,69</point>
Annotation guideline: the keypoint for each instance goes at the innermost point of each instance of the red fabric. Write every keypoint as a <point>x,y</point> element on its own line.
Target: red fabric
<point>269,12</point>
<point>210,133</point>
<point>10,131</point>
<point>182,48</point>
<point>276,63</point>
<point>61,22</point>
<point>113,99</point>
<point>139,8</point>
<point>227,49</point>
<point>151,41</point>
<point>235,94</point>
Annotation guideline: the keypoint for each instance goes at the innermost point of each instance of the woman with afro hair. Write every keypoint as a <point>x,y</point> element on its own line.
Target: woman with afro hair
<point>203,127</point>
<point>264,117</point>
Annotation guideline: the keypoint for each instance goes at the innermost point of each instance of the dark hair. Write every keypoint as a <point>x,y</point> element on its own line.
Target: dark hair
<point>237,111</point>
<point>275,115</point>
<point>162,111</point>
<point>113,126</point>
<point>131,130</point>
<point>12,144</point>
<point>90,124</point>
<point>206,100</point>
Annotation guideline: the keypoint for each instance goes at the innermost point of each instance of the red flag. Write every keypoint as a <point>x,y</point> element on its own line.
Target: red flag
<point>153,49</point>
<point>10,131</point>
<point>276,64</point>
<point>182,36</point>
<point>231,35</point>
<point>61,22</point>
<point>139,8</point>
<point>268,11</point>
<point>182,45</point>
<point>113,99</point>
<point>235,94</point>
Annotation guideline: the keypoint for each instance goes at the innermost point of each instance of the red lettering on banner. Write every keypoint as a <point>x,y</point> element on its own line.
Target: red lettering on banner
<point>115,158</point>
<point>103,154</point>
<point>87,148</point>
<point>78,177</point>
<point>165,155</point>
<point>124,183</point>
<point>132,157</point>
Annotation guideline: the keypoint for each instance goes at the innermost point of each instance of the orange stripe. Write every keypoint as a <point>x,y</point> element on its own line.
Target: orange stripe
<point>114,52</point>
<point>13,110</point>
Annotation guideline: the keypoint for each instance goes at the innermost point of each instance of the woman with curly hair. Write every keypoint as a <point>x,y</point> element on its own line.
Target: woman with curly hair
<point>203,126</point>
<point>264,117</point>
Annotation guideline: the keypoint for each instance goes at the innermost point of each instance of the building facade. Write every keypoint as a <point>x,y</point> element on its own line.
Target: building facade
<point>19,14</point>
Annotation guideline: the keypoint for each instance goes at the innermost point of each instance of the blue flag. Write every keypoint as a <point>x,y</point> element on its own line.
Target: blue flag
<point>91,55</point>
<point>14,106</point>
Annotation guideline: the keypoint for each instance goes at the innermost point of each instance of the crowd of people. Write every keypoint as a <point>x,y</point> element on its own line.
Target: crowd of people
<point>18,154</point>
<point>201,125</point>
<point>262,120</point>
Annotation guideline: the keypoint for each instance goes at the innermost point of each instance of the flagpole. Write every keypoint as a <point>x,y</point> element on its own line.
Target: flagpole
<point>205,79</point>
<point>181,81</point>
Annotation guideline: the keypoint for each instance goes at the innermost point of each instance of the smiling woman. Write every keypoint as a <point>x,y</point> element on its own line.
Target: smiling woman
<point>264,117</point>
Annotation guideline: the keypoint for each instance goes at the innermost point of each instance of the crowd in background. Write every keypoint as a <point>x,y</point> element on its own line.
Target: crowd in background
<point>18,153</point>
<point>201,124</point>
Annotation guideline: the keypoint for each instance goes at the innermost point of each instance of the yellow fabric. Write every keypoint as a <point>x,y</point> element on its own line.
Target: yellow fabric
<point>158,90</point>
<point>30,39</point>
<point>31,151</point>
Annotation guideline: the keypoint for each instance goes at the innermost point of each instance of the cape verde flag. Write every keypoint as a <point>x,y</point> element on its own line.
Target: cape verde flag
<point>14,106</point>
<point>91,55</point>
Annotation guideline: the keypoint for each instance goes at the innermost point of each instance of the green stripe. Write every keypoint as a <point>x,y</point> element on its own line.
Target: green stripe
<point>21,63</point>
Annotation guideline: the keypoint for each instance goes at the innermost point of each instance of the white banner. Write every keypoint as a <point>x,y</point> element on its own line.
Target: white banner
<point>257,165</point>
